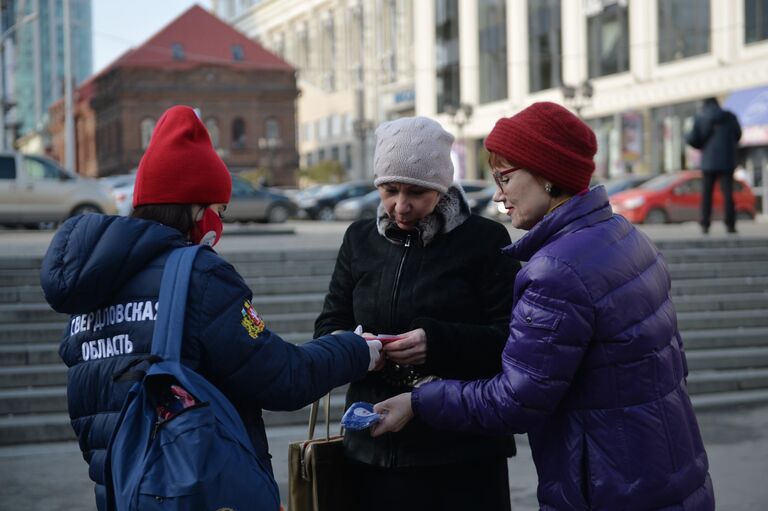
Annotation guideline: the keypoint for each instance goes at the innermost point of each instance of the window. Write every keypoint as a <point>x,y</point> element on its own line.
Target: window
<point>755,20</point>
<point>355,43</point>
<point>684,27</point>
<point>147,127</point>
<point>492,34</point>
<point>212,125</point>
<point>608,37</point>
<point>241,188</point>
<point>177,51</point>
<point>38,170</point>
<point>237,53</point>
<point>544,44</point>
<point>272,129</point>
<point>328,55</point>
<point>7,167</point>
<point>388,38</point>
<point>447,53</point>
<point>238,133</point>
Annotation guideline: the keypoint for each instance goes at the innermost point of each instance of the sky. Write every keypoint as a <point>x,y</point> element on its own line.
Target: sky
<point>119,25</point>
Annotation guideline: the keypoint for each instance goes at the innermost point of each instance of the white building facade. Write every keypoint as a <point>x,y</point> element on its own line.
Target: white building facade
<point>355,68</point>
<point>634,69</point>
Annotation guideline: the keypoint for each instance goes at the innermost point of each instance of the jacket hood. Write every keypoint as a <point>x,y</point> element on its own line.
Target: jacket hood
<point>451,211</point>
<point>92,256</point>
<point>579,211</point>
<point>713,113</point>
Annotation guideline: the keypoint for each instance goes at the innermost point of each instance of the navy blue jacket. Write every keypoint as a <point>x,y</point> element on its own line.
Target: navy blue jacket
<point>717,133</point>
<point>106,272</point>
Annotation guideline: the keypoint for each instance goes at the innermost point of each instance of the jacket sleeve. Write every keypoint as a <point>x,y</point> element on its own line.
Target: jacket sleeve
<point>338,312</point>
<point>551,326</point>
<point>697,137</point>
<point>249,361</point>
<point>465,350</point>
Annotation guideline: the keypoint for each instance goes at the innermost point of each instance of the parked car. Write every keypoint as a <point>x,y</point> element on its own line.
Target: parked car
<point>479,195</point>
<point>121,188</point>
<point>358,207</point>
<point>257,204</point>
<point>676,197</point>
<point>619,184</point>
<point>35,190</point>
<point>319,205</point>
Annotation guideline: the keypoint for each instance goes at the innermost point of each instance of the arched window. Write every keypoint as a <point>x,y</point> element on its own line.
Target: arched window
<point>212,125</point>
<point>147,127</point>
<point>238,133</point>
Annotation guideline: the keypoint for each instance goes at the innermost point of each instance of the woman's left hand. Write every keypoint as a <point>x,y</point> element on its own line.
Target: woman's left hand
<point>410,349</point>
<point>395,413</point>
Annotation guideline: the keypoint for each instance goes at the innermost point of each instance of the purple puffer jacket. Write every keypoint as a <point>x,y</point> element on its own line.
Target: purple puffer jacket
<point>593,370</point>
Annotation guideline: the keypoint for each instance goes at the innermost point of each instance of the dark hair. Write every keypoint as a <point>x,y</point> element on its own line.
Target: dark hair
<point>498,161</point>
<point>178,216</point>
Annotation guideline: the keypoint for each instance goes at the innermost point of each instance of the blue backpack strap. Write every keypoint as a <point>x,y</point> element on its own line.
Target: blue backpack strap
<point>172,303</point>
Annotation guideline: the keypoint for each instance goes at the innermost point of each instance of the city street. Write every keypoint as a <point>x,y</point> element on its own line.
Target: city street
<point>53,477</point>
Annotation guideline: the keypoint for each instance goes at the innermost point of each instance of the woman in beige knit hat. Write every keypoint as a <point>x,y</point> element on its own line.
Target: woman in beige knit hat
<point>430,274</point>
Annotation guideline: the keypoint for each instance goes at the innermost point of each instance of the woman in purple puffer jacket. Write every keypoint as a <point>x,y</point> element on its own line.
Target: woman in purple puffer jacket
<point>594,369</point>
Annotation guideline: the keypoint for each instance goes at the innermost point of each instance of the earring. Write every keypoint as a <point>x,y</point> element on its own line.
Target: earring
<point>547,187</point>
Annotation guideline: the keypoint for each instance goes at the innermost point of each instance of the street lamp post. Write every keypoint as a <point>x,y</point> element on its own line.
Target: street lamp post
<point>578,96</point>
<point>270,144</point>
<point>460,116</point>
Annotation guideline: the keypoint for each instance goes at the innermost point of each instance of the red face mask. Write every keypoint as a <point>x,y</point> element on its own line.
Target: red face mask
<point>208,229</point>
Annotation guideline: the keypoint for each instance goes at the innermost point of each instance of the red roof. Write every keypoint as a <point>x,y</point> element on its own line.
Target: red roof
<point>204,39</point>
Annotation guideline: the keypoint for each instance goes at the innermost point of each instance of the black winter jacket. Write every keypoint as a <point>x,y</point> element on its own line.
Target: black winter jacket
<point>717,133</point>
<point>458,289</point>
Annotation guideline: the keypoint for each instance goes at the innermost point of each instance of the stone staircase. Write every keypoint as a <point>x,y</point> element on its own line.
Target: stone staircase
<point>720,288</point>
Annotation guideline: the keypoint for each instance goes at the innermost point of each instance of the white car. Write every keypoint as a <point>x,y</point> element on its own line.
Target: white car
<point>121,188</point>
<point>36,191</point>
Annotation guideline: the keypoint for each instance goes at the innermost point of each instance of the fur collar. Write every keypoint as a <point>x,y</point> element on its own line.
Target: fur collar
<point>451,211</point>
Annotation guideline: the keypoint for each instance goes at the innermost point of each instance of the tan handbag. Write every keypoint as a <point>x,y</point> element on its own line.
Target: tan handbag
<point>318,470</point>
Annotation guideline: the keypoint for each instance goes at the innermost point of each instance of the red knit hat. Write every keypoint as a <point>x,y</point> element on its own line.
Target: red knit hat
<point>550,141</point>
<point>180,165</point>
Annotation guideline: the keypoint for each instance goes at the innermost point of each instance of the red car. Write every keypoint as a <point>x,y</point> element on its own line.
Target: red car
<point>676,197</point>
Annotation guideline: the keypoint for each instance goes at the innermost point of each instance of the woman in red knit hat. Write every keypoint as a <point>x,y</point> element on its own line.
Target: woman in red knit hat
<point>106,272</point>
<point>593,369</point>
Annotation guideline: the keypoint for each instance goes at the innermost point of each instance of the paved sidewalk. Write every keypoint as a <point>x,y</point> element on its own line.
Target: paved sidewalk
<point>53,477</point>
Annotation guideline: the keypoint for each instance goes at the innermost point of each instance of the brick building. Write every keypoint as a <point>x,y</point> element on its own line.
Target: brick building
<point>246,96</point>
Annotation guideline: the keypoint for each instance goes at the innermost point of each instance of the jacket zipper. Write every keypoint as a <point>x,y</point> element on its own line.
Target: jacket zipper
<point>396,287</point>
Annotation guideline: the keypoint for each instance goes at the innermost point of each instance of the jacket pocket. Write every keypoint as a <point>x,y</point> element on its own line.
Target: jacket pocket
<point>536,316</point>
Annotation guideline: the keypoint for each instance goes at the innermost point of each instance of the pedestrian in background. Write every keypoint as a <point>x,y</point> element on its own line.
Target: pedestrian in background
<point>594,369</point>
<point>717,133</point>
<point>106,272</point>
<point>432,273</point>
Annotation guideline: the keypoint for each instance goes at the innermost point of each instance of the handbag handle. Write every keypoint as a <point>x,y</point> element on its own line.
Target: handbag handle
<point>313,417</point>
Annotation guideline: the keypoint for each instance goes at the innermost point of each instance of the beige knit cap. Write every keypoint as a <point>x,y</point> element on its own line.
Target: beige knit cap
<point>413,150</point>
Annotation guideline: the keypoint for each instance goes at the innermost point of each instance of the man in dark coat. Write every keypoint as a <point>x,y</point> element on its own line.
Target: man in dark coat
<point>717,133</point>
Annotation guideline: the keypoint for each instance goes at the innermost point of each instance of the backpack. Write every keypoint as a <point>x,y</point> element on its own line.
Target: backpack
<point>179,443</point>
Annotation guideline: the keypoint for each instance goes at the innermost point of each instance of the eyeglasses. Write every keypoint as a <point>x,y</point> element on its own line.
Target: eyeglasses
<point>503,172</point>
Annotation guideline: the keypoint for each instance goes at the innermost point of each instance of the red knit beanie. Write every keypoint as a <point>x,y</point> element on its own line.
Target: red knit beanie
<point>180,165</point>
<point>550,141</point>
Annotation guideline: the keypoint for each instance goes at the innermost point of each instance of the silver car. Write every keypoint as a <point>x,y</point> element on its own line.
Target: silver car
<point>35,190</point>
